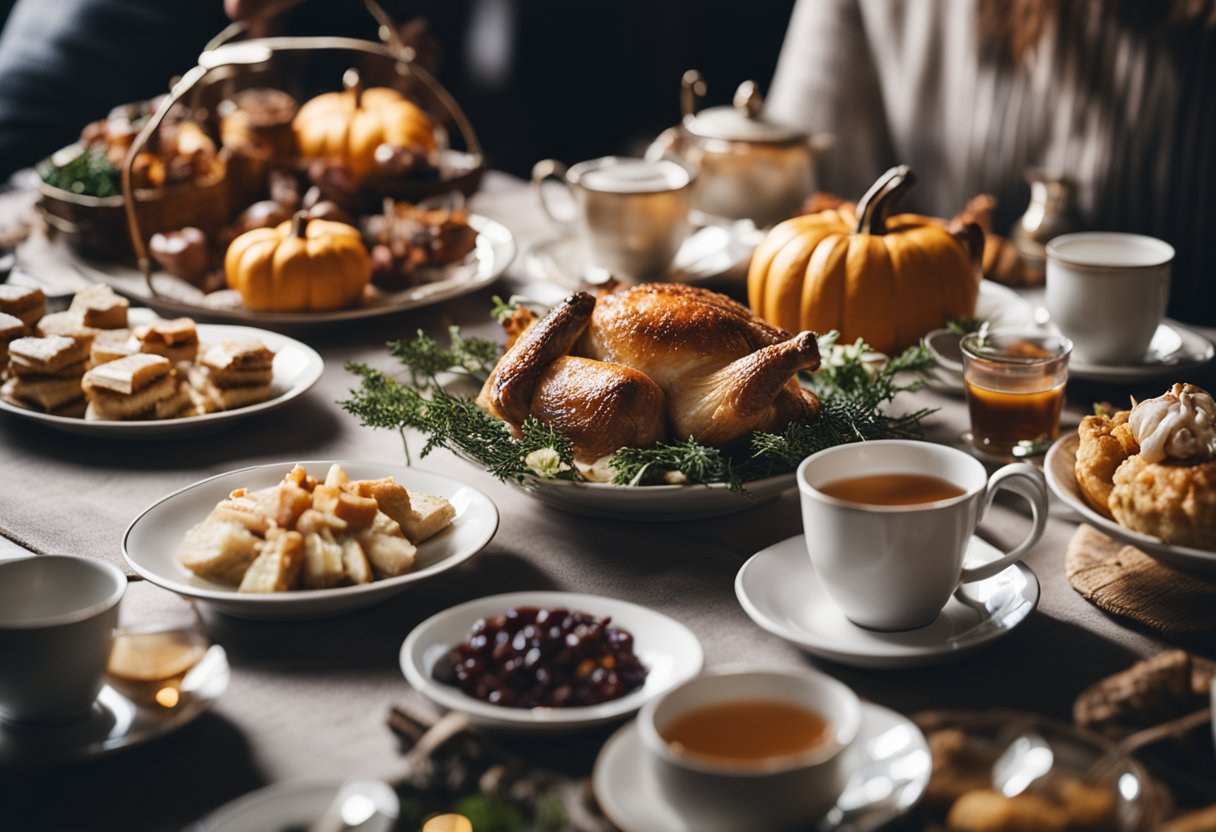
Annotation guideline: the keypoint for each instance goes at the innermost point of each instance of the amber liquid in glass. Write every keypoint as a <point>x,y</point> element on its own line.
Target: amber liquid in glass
<point>1025,410</point>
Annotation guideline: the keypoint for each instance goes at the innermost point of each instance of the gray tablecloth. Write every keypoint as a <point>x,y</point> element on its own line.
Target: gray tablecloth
<point>308,699</point>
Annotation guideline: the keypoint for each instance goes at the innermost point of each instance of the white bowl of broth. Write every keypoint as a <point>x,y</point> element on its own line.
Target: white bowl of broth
<point>759,749</point>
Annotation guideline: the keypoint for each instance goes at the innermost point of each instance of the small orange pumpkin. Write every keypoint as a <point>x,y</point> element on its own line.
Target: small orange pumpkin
<point>301,265</point>
<point>351,124</point>
<point>887,280</point>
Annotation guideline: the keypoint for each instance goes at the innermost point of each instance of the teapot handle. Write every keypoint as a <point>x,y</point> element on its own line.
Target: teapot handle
<point>692,90</point>
<point>546,169</point>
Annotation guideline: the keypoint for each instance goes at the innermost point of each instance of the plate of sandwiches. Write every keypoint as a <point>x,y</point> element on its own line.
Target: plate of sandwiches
<point>100,368</point>
<point>308,539</point>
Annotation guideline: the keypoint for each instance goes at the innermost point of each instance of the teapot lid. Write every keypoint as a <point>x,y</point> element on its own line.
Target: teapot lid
<point>742,121</point>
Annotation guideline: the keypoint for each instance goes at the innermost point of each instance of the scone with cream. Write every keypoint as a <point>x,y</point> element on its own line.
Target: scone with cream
<point>1168,488</point>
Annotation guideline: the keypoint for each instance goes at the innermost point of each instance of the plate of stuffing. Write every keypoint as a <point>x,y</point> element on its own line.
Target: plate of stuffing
<point>1147,476</point>
<point>543,662</point>
<point>102,369</point>
<point>308,539</point>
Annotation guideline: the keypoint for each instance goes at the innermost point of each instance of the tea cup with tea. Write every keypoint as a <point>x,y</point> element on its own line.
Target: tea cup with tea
<point>57,620</point>
<point>753,749</point>
<point>888,523</point>
<point>1108,292</point>
<point>630,215</point>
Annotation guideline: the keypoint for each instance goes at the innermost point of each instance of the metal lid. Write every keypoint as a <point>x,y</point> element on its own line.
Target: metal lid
<point>741,122</point>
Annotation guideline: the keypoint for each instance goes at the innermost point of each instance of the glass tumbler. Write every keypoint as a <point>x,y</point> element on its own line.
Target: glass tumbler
<point>1014,382</point>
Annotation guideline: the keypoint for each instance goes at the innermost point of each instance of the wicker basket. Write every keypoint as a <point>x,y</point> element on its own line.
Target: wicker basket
<point>98,225</point>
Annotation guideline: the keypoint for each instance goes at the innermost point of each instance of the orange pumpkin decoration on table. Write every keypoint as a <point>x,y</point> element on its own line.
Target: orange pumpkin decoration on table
<point>351,124</point>
<point>301,265</point>
<point>888,280</point>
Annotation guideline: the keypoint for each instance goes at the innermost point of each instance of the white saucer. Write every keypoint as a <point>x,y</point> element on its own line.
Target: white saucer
<point>780,591</point>
<point>116,721</point>
<point>711,251</point>
<point>888,765</point>
<point>295,805</point>
<point>668,649</point>
<point>1174,349</point>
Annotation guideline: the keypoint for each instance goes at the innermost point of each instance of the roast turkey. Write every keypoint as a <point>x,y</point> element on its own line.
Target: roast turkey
<point>654,362</point>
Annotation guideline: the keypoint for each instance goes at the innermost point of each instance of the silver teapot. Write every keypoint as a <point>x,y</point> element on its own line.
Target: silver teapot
<point>747,166</point>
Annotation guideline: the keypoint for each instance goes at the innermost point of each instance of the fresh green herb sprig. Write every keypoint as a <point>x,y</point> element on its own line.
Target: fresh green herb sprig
<point>89,174</point>
<point>853,386</point>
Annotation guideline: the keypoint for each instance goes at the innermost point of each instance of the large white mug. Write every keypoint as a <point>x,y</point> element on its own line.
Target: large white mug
<point>1108,292</point>
<point>894,567</point>
<point>631,215</point>
<point>57,620</point>
<point>777,793</point>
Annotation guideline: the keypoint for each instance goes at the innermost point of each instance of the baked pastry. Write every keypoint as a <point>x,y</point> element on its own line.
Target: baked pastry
<point>234,374</point>
<point>1106,441</point>
<point>176,340</point>
<point>11,328</point>
<point>135,387</point>
<point>24,302</point>
<point>305,534</point>
<point>100,307</point>
<point>46,373</point>
<point>1168,489</point>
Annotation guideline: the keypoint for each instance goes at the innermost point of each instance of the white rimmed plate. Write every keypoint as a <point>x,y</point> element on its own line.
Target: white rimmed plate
<point>780,591</point>
<point>297,367</point>
<point>117,721</point>
<point>656,503</point>
<point>494,252</point>
<point>286,806</point>
<point>1060,468</point>
<point>152,539</point>
<point>887,766</point>
<point>668,649</point>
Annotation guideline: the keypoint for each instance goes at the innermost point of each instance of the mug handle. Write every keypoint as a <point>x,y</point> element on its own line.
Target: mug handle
<point>552,169</point>
<point>1028,482</point>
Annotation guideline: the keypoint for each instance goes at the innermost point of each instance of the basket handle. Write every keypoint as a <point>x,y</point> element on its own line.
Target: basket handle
<point>220,53</point>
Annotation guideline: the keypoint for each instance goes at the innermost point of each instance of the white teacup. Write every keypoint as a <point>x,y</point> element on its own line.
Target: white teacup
<point>57,620</point>
<point>780,793</point>
<point>894,567</point>
<point>631,215</point>
<point>1108,292</point>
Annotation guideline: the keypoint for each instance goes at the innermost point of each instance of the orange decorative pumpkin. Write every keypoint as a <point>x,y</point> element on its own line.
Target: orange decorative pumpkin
<point>301,265</point>
<point>888,280</point>
<point>351,124</point>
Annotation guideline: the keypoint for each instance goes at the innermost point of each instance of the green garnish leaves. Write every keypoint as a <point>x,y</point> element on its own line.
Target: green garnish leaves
<point>89,174</point>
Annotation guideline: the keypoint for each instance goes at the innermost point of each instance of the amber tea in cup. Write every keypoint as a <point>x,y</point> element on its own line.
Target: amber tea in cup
<point>747,731</point>
<point>1014,384</point>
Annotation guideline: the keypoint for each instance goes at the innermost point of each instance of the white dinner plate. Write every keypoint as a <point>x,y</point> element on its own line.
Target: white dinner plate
<point>1060,468</point>
<point>494,252</point>
<point>286,806</point>
<point>151,541</point>
<point>297,367</point>
<point>669,651</point>
<point>656,503</point>
<point>888,767</point>
<point>781,592</point>
<point>116,722</point>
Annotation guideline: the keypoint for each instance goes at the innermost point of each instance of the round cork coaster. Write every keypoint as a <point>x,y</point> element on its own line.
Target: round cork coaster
<point>1124,581</point>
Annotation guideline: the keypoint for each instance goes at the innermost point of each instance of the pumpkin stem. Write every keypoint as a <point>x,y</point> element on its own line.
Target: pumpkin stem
<point>873,208</point>
<point>299,224</point>
<point>353,83</point>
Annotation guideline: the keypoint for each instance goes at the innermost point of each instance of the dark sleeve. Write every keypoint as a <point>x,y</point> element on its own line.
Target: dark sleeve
<point>64,63</point>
